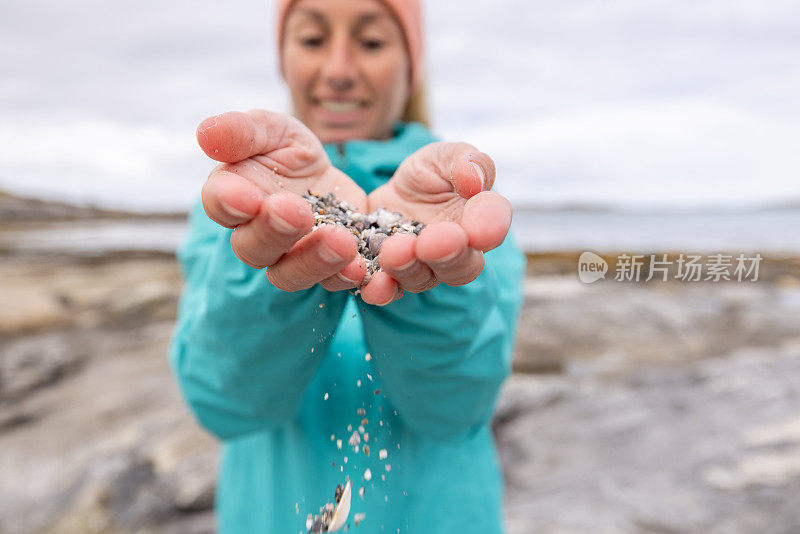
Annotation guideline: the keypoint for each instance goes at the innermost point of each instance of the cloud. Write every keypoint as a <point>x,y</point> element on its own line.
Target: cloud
<point>675,153</point>
<point>102,162</point>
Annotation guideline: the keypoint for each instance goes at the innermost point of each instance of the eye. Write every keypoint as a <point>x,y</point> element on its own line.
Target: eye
<point>372,44</point>
<point>311,42</point>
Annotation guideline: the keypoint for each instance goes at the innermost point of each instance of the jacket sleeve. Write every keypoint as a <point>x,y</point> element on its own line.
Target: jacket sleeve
<point>442,355</point>
<point>244,351</point>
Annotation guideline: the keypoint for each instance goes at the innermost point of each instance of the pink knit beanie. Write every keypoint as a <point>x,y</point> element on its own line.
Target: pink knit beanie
<point>408,14</point>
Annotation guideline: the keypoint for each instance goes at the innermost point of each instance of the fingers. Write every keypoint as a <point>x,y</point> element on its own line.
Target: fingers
<point>444,247</point>
<point>348,278</point>
<point>318,256</point>
<point>281,221</point>
<point>441,253</point>
<point>381,290</point>
<point>398,258</point>
<point>229,199</point>
<point>486,220</point>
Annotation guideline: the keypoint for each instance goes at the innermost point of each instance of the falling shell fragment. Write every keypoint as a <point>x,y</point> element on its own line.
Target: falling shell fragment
<point>332,516</point>
<point>370,229</point>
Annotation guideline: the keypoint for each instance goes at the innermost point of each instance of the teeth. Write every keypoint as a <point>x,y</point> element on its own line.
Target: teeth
<point>339,107</point>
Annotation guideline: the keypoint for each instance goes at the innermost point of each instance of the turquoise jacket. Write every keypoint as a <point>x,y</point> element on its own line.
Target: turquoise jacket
<point>280,377</point>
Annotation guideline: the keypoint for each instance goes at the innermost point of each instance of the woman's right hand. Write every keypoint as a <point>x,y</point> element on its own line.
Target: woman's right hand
<point>268,161</point>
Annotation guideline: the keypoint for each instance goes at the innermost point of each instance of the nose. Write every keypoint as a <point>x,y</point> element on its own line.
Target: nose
<point>340,69</point>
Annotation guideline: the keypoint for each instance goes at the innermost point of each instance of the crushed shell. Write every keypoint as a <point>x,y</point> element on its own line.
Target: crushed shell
<point>371,229</point>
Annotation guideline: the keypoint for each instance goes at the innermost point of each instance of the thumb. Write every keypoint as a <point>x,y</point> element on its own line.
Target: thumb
<point>472,171</point>
<point>236,136</point>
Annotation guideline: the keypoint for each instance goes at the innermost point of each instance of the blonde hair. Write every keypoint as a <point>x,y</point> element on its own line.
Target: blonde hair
<point>417,105</point>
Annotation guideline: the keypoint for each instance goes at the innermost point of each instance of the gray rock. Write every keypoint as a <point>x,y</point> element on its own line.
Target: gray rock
<point>569,324</point>
<point>705,447</point>
<point>35,361</point>
<point>109,448</point>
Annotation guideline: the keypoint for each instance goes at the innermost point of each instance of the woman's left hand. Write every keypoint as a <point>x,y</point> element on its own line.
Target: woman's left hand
<point>447,187</point>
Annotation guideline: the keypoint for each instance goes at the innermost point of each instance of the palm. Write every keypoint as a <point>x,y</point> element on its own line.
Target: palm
<point>293,160</point>
<point>274,173</point>
<point>420,190</point>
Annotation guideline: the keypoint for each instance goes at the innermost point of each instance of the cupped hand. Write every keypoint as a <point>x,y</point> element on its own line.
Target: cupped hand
<point>268,161</point>
<point>447,186</point>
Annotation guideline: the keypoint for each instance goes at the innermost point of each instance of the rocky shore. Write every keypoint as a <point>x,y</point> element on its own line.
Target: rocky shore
<point>661,407</point>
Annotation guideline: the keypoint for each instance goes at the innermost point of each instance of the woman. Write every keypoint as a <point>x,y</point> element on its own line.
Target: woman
<point>285,368</point>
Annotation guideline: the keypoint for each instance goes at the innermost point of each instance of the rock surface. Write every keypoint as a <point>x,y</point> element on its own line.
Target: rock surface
<point>707,447</point>
<point>566,323</point>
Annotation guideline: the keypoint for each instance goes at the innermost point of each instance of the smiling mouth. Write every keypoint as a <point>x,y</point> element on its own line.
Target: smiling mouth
<point>339,106</point>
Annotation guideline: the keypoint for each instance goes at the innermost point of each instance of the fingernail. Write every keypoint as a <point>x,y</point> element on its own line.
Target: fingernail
<point>346,280</point>
<point>282,225</point>
<point>398,292</point>
<point>406,266</point>
<point>328,254</point>
<point>481,174</point>
<point>449,257</point>
<point>233,212</point>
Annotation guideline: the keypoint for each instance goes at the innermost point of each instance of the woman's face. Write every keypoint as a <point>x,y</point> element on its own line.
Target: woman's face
<point>347,68</point>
